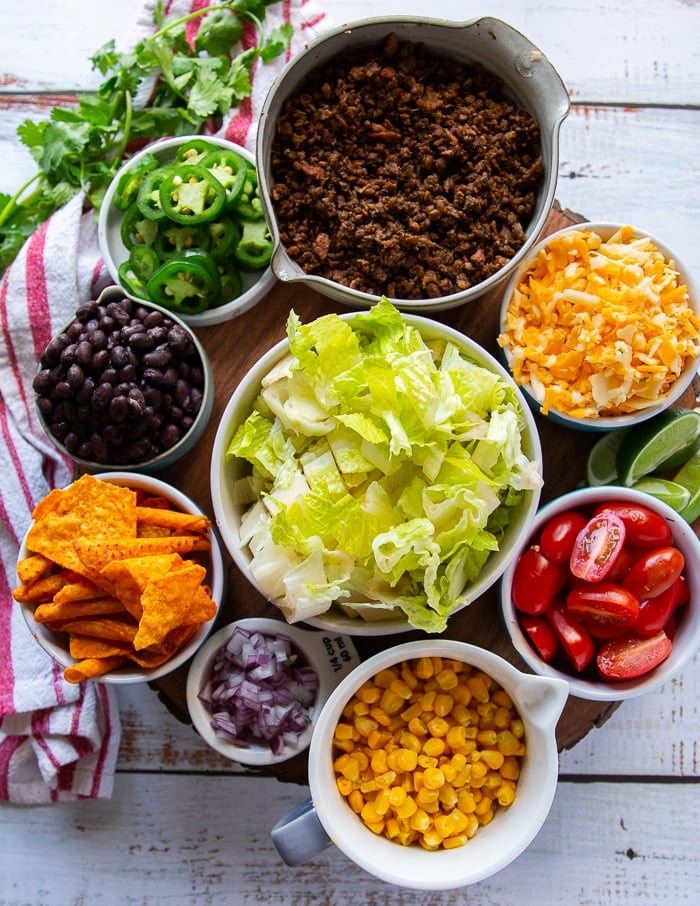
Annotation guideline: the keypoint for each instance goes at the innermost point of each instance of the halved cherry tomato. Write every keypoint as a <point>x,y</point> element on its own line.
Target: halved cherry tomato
<point>621,566</point>
<point>572,635</point>
<point>536,580</point>
<point>610,605</point>
<point>629,656</point>
<point>597,547</point>
<point>541,635</point>
<point>644,527</point>
<point>654,572</point>
<point>558,535</point>
<point>654,613</point>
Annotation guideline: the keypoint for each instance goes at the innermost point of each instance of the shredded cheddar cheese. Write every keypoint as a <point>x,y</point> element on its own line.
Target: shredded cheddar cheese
<point>599,327</point>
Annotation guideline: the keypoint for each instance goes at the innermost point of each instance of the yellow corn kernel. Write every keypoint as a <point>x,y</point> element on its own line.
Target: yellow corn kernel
<point>456,737</point>
<point>479,688</point>
<point>505,795</point>
<point>486,818</point>
<point>455,842</point>
<point>428,701</point>
<point>390,702</point>
<point>391,828</point>
<point>452,664</point>
<point>345,745</point>
<point>385,677</point>
<point>517,727</point>
<point>447,679</point>
<point>424,668</point>
<point>402,689</point>
<point>426,796</point>
<point>377,827</point>
<point>458,761</point>
<point>507,742</point>
<point>361,759</point>
<point>445,825</point>
<point>420,820</point>
<point>343,732</point>
<point>408,676</point>
<point>417,727</point>
<point>493,758</point>
<point>463,777</point>
<point>379,761</point>
<point>438,664</point>
<point>438,726</point>
<point>347,710</point>
<point>510,769</point>
<point>407,808</point>
<point>466,802</point>
<point>413,711</point>
<point>380,716</point>
<point>434,746</point>
<point>369,786</point>
<point>448,796</point>
<point>487,737</point>
<point>431,839</point>
<point>433,778</point>
<point>461,693</point>
<point>410,741</point>
<point>483,806</point>
<point>502,699</point>
<point>448,769</point>
<point>443,704</point>
<point>368,693</point>
<point>385,780</point>
<point>378,739</point>
<point>427,761</point>
<point>365,725</point>
<point>502,718</point>
<point>356,801</point>
<point>397,796</point>
<point>382,802</point>
<point>402,760</point>
<point>344,786</point>
<point>351,770</point>
<point>359,709</point>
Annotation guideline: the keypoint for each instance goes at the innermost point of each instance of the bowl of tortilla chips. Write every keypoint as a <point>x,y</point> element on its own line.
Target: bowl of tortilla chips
<point>119,577</point>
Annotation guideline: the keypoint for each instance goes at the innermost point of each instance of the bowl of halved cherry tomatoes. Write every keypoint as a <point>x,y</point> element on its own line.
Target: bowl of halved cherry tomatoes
<point>605,593</point>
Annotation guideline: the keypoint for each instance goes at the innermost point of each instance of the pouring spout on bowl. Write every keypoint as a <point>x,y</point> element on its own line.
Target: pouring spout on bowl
<point>544,699</point>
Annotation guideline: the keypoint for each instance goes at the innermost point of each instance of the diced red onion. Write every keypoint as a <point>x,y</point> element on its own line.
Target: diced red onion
<point>257,692</point>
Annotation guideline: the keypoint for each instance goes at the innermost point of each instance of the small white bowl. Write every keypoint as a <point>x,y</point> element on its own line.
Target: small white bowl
<point>687,637</point>
<point>56,644</point>
<point>604,423</point>
<point>332,657</point>
<point>256,284</point>
<point>328,817</point>
<point>228,510</point>
<point>188,440</point>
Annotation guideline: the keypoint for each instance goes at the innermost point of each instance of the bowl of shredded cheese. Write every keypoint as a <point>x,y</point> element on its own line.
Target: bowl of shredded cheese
<point>600,326</point>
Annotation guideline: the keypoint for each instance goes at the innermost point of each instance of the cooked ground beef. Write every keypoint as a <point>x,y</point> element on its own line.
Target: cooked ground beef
<point>401,173</point>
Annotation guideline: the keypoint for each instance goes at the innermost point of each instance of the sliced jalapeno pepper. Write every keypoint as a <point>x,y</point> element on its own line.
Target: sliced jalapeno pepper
<point>137,229</point>
<point>194,151</point>
<point>224,235</point>
<point>190,194</point>
<point>249,205</point>
<point>187,284</point>
<point>128,185</point>
<point>178,238</point>
<point>148,197</point>
<point>143,261</point>
<point>231,282</point>
<point>231,170</point>
<point>130,282</point>
<point>254,248</point>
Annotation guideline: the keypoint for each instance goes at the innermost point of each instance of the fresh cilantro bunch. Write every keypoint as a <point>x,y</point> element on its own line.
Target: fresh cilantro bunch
<point>164,86</point>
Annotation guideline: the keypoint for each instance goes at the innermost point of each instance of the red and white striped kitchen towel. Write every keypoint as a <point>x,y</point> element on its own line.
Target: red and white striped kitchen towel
<point>59,741</point>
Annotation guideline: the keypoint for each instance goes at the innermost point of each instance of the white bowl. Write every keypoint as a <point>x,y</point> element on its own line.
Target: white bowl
<point>687,637</point>
<point>539,702</point>
<point>530,79</point>
<point>228,511</point>
<point>256,284</point>
<point>332,657</point>
<point>605,423</point>
<point>56,644</point>
<point>188,440</point>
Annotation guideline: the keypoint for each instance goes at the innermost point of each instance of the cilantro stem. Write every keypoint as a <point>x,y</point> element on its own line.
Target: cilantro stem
<point>126,130</point>
<point>13,202</point>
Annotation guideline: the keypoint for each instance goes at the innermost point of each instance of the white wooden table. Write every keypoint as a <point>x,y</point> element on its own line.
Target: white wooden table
<point>184,826</point>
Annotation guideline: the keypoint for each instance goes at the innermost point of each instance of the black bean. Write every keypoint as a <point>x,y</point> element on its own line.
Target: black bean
<point>84,353</point>
<point>68,355</point>
<point>170,435</point>
<point>64,390</point>
<point>102,396</point>
<point>119,408</point>
<point>158,358</point>
<point>75,376</point>
<point>42,382</point>
<point>140,341</point>
<point>119,356</point>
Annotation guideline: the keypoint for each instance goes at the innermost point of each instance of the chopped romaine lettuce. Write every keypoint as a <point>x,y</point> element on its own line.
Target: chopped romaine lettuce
<point>386,469</point>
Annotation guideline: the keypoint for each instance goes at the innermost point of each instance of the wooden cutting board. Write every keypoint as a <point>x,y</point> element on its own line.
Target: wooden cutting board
<point>234,347</point>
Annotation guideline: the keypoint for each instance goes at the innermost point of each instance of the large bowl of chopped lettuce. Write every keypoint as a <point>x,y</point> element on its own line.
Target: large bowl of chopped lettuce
<point>375,472</point>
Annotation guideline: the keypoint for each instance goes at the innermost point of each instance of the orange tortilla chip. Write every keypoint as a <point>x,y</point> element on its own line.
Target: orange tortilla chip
<point>91,668</point>
<point>129,577</point>
<point>95,555</point>
<point>175,639</point>
<point>32,568</point>
<point>174,520</point>
<point>88,508</point>
<point>82,647</point>
<point>80,590</point>
<point>71,610</point>
<point>43,589</point>
<point>169,602</point>
<point>114,630</point>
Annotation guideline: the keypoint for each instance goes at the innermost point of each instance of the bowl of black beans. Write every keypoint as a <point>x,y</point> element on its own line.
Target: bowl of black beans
<point>124,385</point>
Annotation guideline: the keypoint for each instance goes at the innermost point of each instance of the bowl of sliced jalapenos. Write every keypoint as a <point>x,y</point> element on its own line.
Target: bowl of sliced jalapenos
<point>182,226</point>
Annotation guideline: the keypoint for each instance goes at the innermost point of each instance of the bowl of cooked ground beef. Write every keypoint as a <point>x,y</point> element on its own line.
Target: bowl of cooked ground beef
<point>410,158</point>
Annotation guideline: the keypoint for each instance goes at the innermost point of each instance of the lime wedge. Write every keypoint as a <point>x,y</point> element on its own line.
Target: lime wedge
<point>663,442</point>
<point>669,492</point>
<point>600,465</point>
<point>689,477</point>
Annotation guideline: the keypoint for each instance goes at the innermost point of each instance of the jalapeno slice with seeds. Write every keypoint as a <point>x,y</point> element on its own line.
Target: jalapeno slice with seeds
<point>191,194</point>
<point>187,284</point>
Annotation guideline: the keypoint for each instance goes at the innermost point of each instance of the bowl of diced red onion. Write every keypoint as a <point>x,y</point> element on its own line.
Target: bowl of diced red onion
<point>256,687</point>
